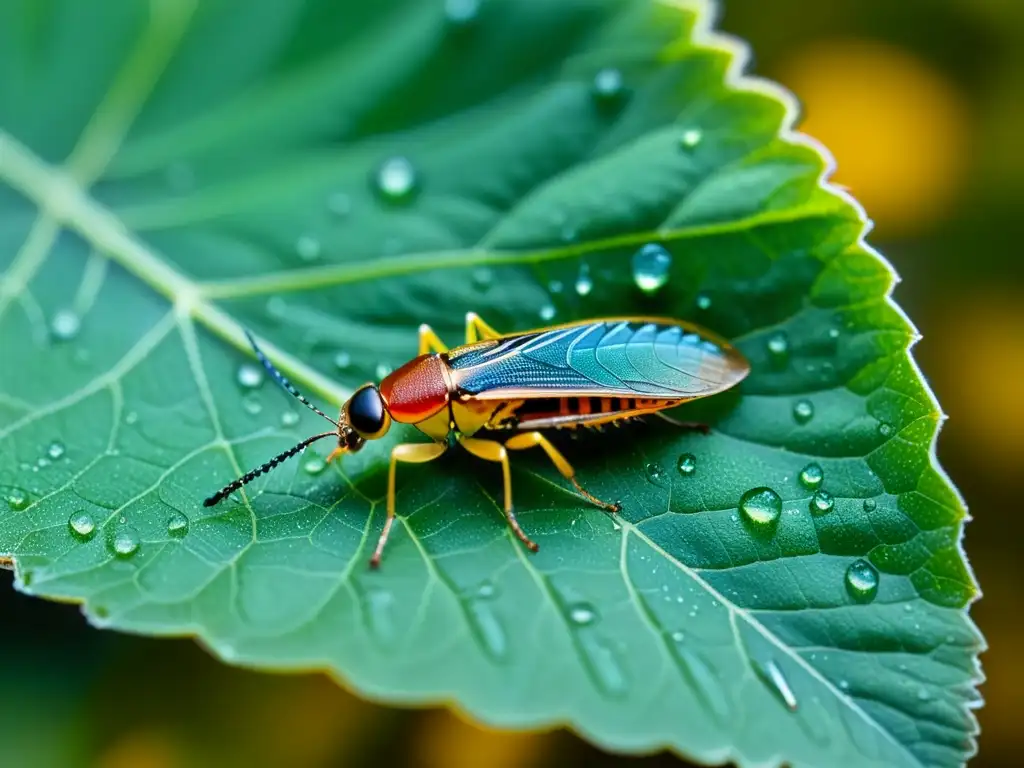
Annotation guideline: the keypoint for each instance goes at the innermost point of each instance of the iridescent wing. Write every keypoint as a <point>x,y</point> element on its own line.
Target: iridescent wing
<point>616,357</point>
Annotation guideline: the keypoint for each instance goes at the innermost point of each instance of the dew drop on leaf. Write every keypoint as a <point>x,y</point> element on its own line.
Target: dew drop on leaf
<point>126,542</point>
<point>703,301</point>
<point>654,472</point>
<point>486,590</point>
<point>483,279</point>
<point>584,284</point>
<point>885,429</point>
<point>488,628</point>
<point>777,681</point>
<point>252,405</point>
<point>132,417</point>
<point>651,265</point>
<point>862,581</point>
<point>314,465</point>
<point>582,614</point>
<point>177,524</point>
<point>82,524</point>
<point>18,499</point>
<point>65,325</point>
<point>812,476</point>
<point>547,312</point>
<point>608,85</point>
<point>687,464</point>
<point>870,505</point>
<point>690,138</point>
<point>308,248</point>
<point>289,419</point>
<point>380,614</point>
<point>778,348</point>
<point>803,411</point>
<point>55,450</point>
<point>342,360</point>
<point>822,502</point>
<point>396,179</point>
<point>249,376</point>
<point>761,506</point>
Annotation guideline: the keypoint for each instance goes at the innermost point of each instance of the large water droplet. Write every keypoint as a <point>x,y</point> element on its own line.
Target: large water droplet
<point>655,473</point>
<point>822,502</point>
<point>82,524</point>
<point>65,325</point>
<point>396,179</point>
<point>690,138</point>
<point>862,581</point>
<point>55,450</point>
<point>778,348</point>
<point>761,506</point>
<point>547,313</point>
<point>249,376</point>
<point>687,464</point>
<point>812,476</point>
<point>651,265</point>
<point>582,614</point>
<point>608,85</point>
<point>308,248</point>
<point>870,505</point>
<point>314,465</point>
<point>773,675</point>
<point>126,542</point>
<point>803,411</point>
<point>342,360</point>
<point>584,284</point>
<point>177,524</point>
<point>18,499</point>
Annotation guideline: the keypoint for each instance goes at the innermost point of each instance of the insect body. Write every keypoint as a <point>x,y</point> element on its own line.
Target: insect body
<point>497,392</point>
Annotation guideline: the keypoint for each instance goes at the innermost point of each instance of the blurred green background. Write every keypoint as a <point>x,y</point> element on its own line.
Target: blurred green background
<point>922,103</point>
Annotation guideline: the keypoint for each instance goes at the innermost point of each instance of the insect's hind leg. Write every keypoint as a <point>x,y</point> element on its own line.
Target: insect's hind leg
<point>411,453</point>
<point>477,329</point>
<point>488,450</point>
<point>536,439</point>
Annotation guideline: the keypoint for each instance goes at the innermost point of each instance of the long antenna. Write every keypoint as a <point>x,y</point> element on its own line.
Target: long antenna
<point>248,477</point>
<point>280,379</point>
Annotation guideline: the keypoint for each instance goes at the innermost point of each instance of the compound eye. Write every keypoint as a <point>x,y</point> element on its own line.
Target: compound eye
<point>366,412</point>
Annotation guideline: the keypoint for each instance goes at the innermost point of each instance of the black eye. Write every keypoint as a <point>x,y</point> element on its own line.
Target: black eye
<point>366,412</point>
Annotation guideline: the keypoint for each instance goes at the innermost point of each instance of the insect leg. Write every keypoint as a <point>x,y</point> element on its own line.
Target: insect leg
<point>489,450</point>
<point>411,453</point>
<point>430,341</point>
<point>531,439</point>
<point>477,329</point>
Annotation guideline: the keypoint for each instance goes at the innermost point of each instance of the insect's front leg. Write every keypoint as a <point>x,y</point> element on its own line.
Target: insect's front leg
<point>430,341</point>
<point>488,450</point>
<point>411,453</point>
<point>477,329</point>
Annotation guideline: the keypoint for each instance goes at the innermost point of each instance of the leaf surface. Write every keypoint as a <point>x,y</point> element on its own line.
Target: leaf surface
<point>332,175</point>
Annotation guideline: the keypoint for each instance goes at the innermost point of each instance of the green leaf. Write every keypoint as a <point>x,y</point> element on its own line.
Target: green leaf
<point>177,170</point>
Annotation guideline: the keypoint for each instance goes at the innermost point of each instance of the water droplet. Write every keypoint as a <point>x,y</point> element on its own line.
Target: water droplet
<point>651,265</point>
<point>655,473</point>
<point>923,695</point>
<point>289,419</point>
<point>778,348</point>
<point>761,506</point>
<point>870,505</point>
<point>382,370</point>
<point>55,450</point>
<point>339,204</point>
<point>690,138</point>
<point>608,85</point>
<point>687,464</point>
<point>18,499</point>
<point>177,524</point>
<point>862,581</point>
<point>314,465</point>
<point>380,614</point>
<point>132,417</point>
<point>249,376</point>
<point>488,628</point>
<point>82,524</point>
<point>812,476</point>
<point>844,685</point>
<point>547,312</point>
<point>486,590</point>
<point>308,248</point>
<point>342,360</point>
<point>584,285</point>
<point>833,333</point>
<point>277,308</point>
<point>582,614</point>
<point>483,278</point>
<point>555,286</point>
<point>803,411</point>
<point>822,503</point>
<point>396,179</point>
<point>252,405</point>
<point>65,325</point>
<point>678,637</point>
<point>459,13</point>
<point>703,301</point>
<point>773,675</point>
<point>126,542</point>
<point>885,429</point>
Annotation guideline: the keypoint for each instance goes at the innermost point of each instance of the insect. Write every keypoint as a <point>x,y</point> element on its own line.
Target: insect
<point>499,393</point>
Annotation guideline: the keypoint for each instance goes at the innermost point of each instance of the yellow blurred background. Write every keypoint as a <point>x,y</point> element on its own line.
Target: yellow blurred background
<point>922,104</point>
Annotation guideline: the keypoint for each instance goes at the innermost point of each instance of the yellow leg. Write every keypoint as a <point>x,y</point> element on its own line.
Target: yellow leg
<point>477,329</point>
<point>489,450</point>
<point>430,341</point>
<point>411,453</point>
<point>536,439</point>
<point>338,451</point>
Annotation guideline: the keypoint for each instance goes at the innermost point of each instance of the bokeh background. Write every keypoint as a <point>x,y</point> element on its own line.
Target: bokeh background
<point>922,103</point>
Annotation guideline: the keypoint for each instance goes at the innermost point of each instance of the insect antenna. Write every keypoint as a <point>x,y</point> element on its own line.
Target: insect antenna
<point>286,385</point>
<point>248,477</point>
